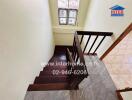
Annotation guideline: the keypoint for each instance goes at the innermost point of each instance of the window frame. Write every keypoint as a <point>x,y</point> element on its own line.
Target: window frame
<point>67,18</point>
<point>62,17</point>
<point>73,17</point>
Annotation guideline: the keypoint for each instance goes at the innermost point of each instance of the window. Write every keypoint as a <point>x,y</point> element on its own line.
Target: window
<point>67,11</point>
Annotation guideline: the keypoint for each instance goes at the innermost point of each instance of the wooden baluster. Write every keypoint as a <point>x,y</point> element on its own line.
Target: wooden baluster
<point>86,44</point>
<point>99,44</point>
<point>93,44</point>
<point>77,58</point>
<point>81,39</point>
<point>73,52</point>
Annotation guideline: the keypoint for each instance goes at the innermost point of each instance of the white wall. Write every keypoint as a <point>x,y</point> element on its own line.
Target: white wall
<point>99,19</point>
<point>63,39</point>
<point>25,42</point>
<point>63,34</point>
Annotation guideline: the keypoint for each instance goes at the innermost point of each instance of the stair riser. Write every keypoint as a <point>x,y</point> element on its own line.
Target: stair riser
<point>45,80</point>
<point>51,86</point>
<point>50,73</point>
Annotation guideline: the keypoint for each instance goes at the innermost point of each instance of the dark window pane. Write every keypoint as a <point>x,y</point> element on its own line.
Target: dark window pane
<point>71,21</point>
<point>62,13</point>
<point>73,13</point>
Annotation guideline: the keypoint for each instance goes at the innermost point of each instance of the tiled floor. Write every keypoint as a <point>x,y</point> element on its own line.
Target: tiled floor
<point>119,63</point>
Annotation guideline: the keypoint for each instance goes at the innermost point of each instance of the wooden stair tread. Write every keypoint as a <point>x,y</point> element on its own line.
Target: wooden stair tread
<point>61,49</point>
<point>50,73</point>
<point>49,86</point>
<point>51,79</point>
<point>55,68</point>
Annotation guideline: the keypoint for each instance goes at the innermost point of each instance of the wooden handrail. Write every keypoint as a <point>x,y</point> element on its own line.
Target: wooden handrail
<point>118,92</point>
<point>70,59</point>
<point>90,34</point>
<point>79,50</point>
<point>76,58</point>
<point>75,79</point>
<point>125,90</point>
<point>120,38</point>
<point>79,54</point>
<point>94,33</point>
<point>70,56</point>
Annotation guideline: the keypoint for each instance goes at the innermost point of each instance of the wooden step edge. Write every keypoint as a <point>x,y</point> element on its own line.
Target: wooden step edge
<point>51,79</point>
<point>49,86</point>
<point>54,68</point>
<point>42,73</point>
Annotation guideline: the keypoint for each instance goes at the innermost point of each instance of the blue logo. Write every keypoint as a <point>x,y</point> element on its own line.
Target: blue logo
<point>117,11</point>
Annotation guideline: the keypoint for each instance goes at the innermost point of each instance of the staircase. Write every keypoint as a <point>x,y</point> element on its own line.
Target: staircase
<point>72,70</point>
<point>48,79</point>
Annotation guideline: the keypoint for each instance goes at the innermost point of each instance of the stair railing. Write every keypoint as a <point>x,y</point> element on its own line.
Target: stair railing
<point>90,34</point>
<point>76,56</point>
<point>77,67</point>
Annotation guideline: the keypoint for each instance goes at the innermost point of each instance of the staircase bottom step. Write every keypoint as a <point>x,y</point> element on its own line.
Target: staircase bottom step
<point>50,86</point>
